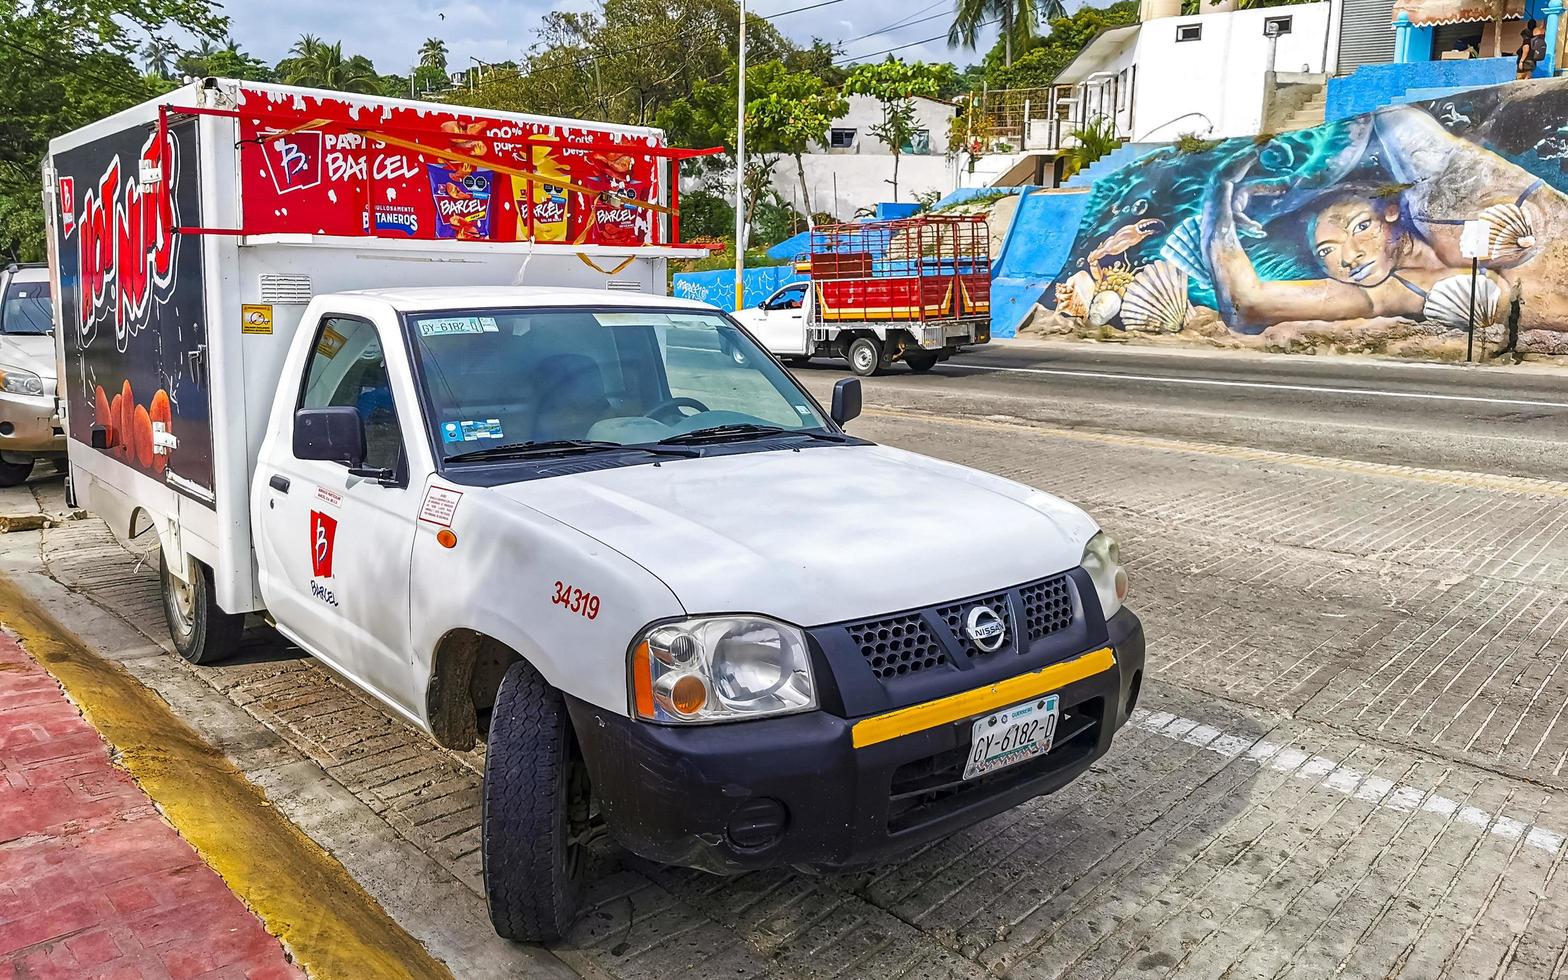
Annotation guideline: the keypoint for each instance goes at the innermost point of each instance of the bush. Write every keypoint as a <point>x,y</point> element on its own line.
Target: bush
<point>706,215</point>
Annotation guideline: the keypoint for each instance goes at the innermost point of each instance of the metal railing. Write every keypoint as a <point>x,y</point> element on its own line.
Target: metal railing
<point>1023,119</point>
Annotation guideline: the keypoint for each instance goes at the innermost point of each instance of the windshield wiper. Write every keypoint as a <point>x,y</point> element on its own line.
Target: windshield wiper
<point>745,430</point>
<point>558,447</point>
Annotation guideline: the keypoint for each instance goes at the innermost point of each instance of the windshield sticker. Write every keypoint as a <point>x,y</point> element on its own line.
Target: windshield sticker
<point>469,430</point>
<point>632,319</point>
<point>440,505</point>
<point>446,326</point>
<point>330,343</point>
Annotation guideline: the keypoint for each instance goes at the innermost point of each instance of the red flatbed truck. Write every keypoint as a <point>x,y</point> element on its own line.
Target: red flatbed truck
<point>915,290</point>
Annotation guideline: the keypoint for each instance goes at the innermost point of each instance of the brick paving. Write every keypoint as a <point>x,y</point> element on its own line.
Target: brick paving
<point>93,882</point>
<point>1350,760</point>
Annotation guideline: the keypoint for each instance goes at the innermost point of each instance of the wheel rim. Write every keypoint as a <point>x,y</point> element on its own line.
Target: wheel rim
<point>864,357</point>
<point>182,603</point>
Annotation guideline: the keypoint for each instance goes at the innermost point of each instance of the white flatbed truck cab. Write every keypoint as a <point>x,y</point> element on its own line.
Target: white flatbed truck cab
<point>660,582</point>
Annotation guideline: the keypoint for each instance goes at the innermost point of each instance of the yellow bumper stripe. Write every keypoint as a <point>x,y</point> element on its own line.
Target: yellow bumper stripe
<point>919,717</point>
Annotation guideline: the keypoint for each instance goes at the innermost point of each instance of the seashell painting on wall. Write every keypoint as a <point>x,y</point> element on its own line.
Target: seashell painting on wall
<point>1156,300</point>
<point>1448,302</point>
<point>1509,234</point>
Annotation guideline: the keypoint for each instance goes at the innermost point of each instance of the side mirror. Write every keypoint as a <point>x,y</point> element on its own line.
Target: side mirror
<point>762,304</point>
<point>846,400</point>
<point>336,435</point>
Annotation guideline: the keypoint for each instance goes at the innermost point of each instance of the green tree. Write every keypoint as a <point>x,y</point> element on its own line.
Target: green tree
<point>1037,63</point>
<point>64,64</point>
<point>432,54</point>
<point>895,84</point>
<point>793,113</point>
<point>1016,20</point>
<point>322,65</point>
<point>229,61</point>
<point>158,56</point>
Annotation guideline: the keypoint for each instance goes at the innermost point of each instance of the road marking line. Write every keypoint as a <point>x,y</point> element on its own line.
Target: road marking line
<point>1452,478</point>
<point>1340,778</point>
<point>329,924</point>
<point>1216,383</point>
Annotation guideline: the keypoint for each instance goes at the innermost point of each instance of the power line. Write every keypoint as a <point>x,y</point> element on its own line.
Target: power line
<point>904,22</point>
<point>940,37</point>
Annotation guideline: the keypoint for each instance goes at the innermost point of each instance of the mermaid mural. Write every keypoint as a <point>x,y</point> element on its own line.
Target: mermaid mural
<point>1352,225</point>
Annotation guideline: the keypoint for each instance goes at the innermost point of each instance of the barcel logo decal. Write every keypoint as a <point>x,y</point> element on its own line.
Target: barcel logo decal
<point>323,537</point>
<point>985,628</point>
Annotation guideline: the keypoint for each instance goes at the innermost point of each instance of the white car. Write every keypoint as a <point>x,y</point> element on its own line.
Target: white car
<point>29,420</point>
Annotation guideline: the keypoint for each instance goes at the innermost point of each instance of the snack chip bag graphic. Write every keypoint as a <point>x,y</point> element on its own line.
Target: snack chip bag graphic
<point>616,220</point>
<point>461,195</point>
<point>545,200</point>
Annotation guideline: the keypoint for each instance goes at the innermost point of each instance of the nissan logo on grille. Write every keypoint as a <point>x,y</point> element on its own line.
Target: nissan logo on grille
<point>985,628</point>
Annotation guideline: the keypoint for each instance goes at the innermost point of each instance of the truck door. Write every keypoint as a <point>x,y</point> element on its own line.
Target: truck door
<point>781,322</point>
<point>334,549</point>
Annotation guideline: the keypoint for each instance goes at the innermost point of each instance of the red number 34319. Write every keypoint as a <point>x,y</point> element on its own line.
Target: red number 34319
<point>585,604</point>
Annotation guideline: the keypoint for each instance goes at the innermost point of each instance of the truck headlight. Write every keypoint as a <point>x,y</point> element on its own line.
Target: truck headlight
<point>1102,559</point>
<point>16,381</point>
<point>720,668</point>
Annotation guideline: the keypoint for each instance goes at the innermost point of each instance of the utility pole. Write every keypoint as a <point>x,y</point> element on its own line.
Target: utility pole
<point>740,171</point>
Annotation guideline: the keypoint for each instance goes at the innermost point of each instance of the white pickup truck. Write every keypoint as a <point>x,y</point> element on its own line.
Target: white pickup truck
<point>660,584</point>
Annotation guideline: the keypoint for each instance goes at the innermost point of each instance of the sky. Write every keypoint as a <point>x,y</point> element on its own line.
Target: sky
<point>502,29</point>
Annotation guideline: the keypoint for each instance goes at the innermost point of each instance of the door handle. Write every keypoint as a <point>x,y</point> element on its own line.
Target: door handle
<point>279,483</point>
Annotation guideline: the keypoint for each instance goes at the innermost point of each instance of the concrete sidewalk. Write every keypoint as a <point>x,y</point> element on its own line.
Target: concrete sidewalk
<point>93,881</point>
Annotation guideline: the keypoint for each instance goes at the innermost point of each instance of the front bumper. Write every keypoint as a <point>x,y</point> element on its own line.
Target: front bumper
<point>795,791</point>
<point>30,424</point>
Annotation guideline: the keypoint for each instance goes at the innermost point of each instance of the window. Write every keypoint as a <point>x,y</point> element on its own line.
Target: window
<point>841,139</point>
<point>349,370</point>
<point>1189,32</point>
<point>789,298</point>
<point>625,376</point>
<point>1275,26</point>
<point>919,142</point>
<point>27,309</point>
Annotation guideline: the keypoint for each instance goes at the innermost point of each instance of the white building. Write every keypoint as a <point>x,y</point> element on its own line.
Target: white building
<point>852,169</point>
<point>1218,74</point>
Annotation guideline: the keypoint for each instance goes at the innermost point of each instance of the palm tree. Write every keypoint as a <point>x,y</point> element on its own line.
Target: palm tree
<point>325,67</point>
<point>1018,19</point>
<point>306,46</point>
<point>432,54</point>
<point>158,55</point>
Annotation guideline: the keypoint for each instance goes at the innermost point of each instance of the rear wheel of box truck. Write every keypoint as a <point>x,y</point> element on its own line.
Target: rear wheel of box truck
<point>537,815</point>
<point>202,633</point>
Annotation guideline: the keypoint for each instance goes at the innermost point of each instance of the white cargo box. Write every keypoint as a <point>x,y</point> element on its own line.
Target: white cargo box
<point>187,234</point>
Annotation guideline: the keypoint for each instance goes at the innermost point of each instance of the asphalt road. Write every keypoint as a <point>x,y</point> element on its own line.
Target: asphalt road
<point>1481,418</point>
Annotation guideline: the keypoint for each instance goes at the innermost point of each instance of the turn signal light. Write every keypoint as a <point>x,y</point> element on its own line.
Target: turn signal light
<point>688,695</point>
<point>445,538</point>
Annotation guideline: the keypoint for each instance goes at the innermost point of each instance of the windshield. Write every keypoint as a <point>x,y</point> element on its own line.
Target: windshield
<point>26,309</point>
<point>504,377</point>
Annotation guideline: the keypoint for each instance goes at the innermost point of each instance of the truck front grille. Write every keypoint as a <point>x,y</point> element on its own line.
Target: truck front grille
<point>1048,607</point>
<point>898,645</point>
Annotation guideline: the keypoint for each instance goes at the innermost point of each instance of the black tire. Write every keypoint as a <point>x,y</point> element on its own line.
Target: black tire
<point>15,474</point>
<point>865,356</point>
<point>537,805</point>
<point>920,362</point>
<point>202,633</point>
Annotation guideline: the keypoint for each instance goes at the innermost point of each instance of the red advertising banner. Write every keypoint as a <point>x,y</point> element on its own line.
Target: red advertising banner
<point>323,165</point>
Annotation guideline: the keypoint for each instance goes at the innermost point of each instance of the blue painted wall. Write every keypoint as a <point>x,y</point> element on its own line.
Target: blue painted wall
<point>1036,248</point>
<point>1370,87</point>
<point>718,288</point>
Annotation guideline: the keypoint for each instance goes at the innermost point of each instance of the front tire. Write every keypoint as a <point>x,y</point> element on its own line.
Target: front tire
<point>202,632</point>
<point>536,816</point>
<point>865,356</point>
<point>15,474</point>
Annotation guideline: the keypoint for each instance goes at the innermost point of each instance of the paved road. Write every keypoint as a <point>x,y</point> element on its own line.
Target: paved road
<point>1351,759</point>
<point>1470,417</point>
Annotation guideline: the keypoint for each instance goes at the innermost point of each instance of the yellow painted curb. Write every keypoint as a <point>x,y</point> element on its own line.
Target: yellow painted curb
<point>333,929</point>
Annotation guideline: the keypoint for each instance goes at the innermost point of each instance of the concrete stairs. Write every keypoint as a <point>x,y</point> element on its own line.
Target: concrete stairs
<point>1310,113</point>
<point>1112,161</point>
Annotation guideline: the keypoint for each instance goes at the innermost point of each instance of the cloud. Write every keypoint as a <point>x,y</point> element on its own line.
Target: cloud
<point>389,32</point>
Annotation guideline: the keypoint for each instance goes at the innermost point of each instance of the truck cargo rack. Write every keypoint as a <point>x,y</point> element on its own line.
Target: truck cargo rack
<point>929,267</point>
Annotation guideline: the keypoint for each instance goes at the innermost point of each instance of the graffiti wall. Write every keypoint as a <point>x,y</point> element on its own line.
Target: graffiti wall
<point>1346,235</point>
